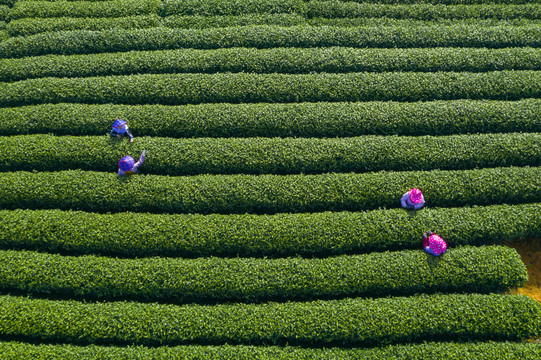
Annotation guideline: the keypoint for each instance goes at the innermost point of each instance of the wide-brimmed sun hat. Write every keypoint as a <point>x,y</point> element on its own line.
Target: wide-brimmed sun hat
<point>126,163</point>
<point>437,244</point>
<point>416,196</point>
<point>119,122</point>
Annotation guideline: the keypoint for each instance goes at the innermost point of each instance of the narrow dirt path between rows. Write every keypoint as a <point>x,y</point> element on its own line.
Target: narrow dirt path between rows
<point>530,251</point>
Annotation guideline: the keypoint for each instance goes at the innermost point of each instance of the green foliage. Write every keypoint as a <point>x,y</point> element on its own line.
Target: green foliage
<point>447,350</point>
<point>177,89</point>
<point>285,68</point>
<point>446,2</point>
<point>351,321</point>
<point>280,120</point>
<point>4,12</point>
<point>279,235</point>
<point>277,60</point>
<point>230,7</point>
<point>420,10</point>
<point>273,155</point>
<point>334,9</point>
<point>30,26</point>
<point>83,9</point>
<point>202,22</point>
<point>86,42</point>
<point>102,192</point>
<point>467,269</point>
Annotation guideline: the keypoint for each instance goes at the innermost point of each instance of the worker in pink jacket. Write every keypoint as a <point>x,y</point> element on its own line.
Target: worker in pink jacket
<point>434,244</point>
<point>413,199</point>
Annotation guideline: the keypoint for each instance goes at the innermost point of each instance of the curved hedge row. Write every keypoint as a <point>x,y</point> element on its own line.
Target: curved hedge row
<point>278,60</point>
<point>322,323</point>
<point>231,7</point>
<point>421,11</point>
<point>83,9</point>
<point>468,269</point>
<point>86,42</point>
<point>280,120</point>
<point>446,2</point>
<point>335,9</point>
<point>202,22</point>
<point>31,26</point>
<point>447,350</point>
<point>273,155</point>
<point>279,235</point>
<point>103,192</point>
<point>176,89</point>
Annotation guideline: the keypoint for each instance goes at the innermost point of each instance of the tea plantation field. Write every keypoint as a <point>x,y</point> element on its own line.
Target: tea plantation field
<point>280,136</point>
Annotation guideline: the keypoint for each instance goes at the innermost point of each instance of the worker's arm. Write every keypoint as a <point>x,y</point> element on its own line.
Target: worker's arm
<point>404,199</point>
<point>140,162</point>
<point>129,133</point>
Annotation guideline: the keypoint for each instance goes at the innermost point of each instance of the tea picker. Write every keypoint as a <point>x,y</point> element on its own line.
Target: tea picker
<point>434,244</point>
<point>413,199</point>
<point>120,129</point>
<point>128,166</point>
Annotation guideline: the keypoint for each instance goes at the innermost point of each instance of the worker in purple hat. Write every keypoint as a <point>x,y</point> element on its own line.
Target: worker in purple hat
<point>120,129</point>
<point>128,166</point>
<point>434,244</point>
<point>413,199</point>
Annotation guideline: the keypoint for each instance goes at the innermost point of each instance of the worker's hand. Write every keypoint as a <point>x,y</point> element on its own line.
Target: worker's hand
<point>131,140</point>
<point>118,136</point>
<point>143,153</point>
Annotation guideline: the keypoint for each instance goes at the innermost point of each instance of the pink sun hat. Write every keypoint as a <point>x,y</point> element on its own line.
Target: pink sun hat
<point>126,163</point>
<point>437,244</point>
<point>416,196</point>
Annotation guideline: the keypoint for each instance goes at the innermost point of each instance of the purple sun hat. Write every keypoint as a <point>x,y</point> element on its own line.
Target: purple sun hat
<point>416,196</point>
<point>126,163</point>
<point>119,122</point>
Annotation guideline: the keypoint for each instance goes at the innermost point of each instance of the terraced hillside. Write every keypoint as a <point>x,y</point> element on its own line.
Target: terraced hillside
<point>266,221</point>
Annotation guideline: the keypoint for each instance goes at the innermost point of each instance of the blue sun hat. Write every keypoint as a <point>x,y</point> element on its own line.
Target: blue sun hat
<point>118,123</point>
<point>126,163</point>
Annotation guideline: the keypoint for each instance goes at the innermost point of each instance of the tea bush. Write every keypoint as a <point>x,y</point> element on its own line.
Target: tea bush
<point>321,119</point>
<point>273,155</point>
<point>358,321</point>
<point>466,269</point>
<point>118,40</point>
<point>83,9</point>
<point>178,89</point>
<point>316,234</point>
<point>277,60</point>
<point>103,192</point>
<point>31,26</point>
<point>459,351</point>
